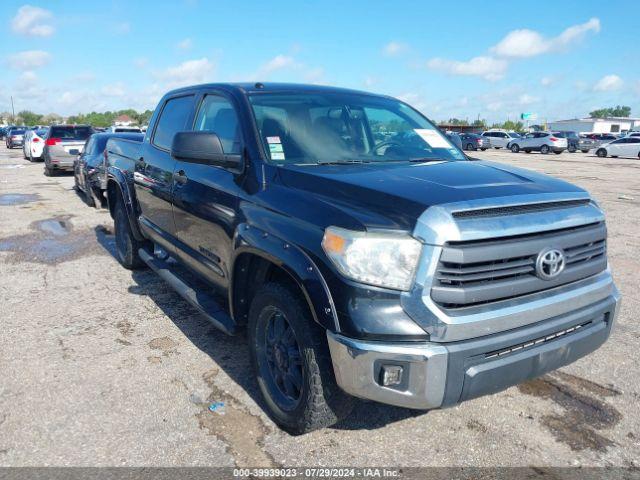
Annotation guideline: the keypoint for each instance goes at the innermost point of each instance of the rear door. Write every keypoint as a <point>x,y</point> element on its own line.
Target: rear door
<point>153,176</point>
<point>206,197</point>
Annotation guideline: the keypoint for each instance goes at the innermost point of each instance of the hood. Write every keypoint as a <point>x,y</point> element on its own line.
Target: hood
<point>394,195</point>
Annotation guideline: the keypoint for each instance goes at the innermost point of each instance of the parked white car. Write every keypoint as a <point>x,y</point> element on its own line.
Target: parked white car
<point>34,144</point>
<point>543,142</point>
<point>500,138</point>
<point>623,147</point>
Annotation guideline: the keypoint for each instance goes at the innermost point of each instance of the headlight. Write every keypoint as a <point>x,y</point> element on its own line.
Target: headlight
<point>383,259</point>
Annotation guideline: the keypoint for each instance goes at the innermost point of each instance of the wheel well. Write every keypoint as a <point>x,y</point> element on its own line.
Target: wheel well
<point>113,193</point>
<point>250,272</point>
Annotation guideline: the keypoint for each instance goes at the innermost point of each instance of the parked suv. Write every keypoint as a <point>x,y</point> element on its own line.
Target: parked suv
<point>62,145</point>
<point>574,142</point>
<point>543,142</point>
<point>390,268</point>
<point>15,137</point>
<point>500,138</point>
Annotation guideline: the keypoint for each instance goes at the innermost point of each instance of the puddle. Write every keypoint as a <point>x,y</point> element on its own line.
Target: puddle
<point>242,432</point>
<point>52,241</point>
<point>585,413</point>
<point>18,198</point>
<point>55,227</point>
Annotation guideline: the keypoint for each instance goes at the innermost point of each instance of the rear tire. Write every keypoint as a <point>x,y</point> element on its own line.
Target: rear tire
<point>601,152</point>
<point>572,149</point>
<point>544,149</point>
<point>48,171</point>
<point>470,147</point>
<point>291,360</point>
<point>126,245</point>
<point>515,148</point>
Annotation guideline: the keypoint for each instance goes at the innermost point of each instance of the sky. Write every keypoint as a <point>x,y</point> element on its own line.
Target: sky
<point>492,59</point>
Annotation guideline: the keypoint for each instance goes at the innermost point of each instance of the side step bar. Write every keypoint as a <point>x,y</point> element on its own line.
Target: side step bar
<point>204,302</point>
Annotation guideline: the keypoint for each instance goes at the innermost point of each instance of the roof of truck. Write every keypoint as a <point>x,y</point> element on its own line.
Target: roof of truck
<point>259,87</point>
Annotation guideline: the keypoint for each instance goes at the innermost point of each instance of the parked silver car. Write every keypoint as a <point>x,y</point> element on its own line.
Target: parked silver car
<point>500,138</point>
<point>543,142</point>
<point>62,145</point>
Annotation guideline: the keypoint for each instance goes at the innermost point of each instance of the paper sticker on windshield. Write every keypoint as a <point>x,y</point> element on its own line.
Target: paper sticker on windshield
<point>277,156</point>
<point>273,140</point>
<point>433,138</point>
<point>275,147</point>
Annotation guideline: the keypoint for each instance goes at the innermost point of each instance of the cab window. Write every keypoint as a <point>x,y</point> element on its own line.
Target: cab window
<point>173,119</point>
<point>217,115</point>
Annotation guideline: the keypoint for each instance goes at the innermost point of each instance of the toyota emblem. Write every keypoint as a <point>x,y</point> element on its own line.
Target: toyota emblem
<point>550,263</point>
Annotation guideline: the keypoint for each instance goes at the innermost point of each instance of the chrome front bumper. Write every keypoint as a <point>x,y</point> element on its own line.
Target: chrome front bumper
<point>443,374</point>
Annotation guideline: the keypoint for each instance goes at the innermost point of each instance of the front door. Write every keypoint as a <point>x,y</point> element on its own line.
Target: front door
<point>153,176</point>
<point>206,197</point>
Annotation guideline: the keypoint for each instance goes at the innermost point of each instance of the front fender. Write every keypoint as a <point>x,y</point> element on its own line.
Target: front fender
<point>294,261</point>
<point>118,186</point>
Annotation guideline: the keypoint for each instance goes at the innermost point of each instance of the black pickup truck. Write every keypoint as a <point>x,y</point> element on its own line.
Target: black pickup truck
<point>364,255</point>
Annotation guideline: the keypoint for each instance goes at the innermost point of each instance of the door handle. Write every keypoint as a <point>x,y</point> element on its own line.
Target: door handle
<point>180,177</point>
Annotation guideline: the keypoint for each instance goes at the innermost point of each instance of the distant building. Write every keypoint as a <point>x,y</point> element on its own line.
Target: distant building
<point>124,121</point>
<point>597,125</point>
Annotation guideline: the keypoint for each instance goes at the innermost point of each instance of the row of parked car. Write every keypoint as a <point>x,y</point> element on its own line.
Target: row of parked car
<point>546,142</point>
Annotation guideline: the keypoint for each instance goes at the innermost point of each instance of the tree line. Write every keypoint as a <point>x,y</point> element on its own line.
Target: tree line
<point>96,119</point>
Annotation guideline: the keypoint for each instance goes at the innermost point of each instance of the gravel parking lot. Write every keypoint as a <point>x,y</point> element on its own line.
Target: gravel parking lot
<point>102,366</point>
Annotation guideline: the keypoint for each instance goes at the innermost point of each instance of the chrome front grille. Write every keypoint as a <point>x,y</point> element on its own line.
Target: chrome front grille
<point>477,272</point>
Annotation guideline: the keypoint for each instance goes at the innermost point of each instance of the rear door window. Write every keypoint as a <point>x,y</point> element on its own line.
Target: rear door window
<point>173,119</point>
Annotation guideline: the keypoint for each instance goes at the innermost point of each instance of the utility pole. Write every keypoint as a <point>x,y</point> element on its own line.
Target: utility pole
<point>13,111</point>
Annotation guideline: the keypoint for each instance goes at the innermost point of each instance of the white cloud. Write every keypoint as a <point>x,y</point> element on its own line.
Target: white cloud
<point>28,77</point>
<point>546,81</point>
<point>188,73</point>
<point>608,83</point>
<point>489,68</point>
<point>315,75</point>
<point>32,21</point>
<point>393,49</point>
<point>276,63</point>
<point>114,90</point>
<point>529,43</point>
<point>370,81</point>
<point>526,99</point>
<point>185,44</point>
<point>29,59</point>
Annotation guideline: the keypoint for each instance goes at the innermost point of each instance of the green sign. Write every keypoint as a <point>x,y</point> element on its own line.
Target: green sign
<point>528,116</point>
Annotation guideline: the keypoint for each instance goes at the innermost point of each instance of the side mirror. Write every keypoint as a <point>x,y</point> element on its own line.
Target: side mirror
<point>204,148</point>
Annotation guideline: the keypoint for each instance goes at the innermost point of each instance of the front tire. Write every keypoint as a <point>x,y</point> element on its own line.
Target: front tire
<point>291,360</point>
<point>572,149</point>
<point>470,147</point>
<point>126,245</point>
<point>515,148</point>
<point>601,152</point>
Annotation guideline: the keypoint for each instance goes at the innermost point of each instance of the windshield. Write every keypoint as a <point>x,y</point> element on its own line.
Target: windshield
<point>316,128</point>
<point>514,135</point>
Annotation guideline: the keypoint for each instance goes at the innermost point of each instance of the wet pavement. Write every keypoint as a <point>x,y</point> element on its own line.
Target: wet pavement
<point>103,366</point>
